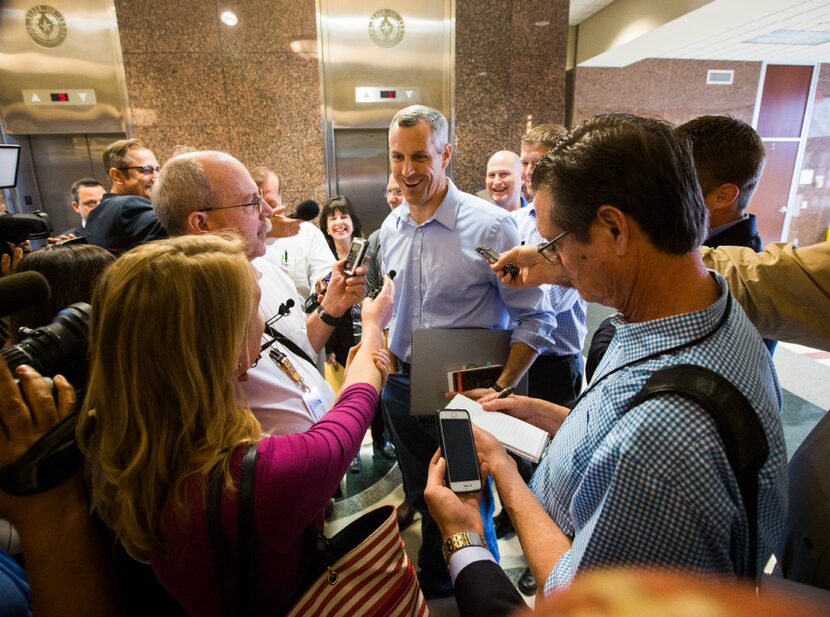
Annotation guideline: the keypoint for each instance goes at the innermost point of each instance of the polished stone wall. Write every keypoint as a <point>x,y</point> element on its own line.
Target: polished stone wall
<point>194,81</point>
<point>674,90</point>
<point>507,69</point>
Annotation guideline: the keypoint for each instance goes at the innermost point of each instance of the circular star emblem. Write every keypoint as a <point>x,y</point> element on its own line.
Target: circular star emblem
<point>386,28</point>
<point>45,25</point>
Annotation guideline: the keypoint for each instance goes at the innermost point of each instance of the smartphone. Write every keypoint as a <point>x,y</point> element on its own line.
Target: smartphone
<point>356,255</point>
<point>459,450</point>
<point>492,257</point>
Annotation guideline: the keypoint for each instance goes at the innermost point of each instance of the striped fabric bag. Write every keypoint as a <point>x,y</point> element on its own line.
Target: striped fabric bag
<point>373,579</point>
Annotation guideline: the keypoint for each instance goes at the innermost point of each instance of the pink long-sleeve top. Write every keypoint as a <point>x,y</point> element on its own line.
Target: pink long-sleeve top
<point>296,475</point>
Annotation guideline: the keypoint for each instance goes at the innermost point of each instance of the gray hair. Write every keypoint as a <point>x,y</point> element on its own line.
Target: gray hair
<point>181,188</point>
<point>412,115</point>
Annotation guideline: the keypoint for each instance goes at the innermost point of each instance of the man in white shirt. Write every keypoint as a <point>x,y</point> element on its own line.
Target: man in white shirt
<point>207,192</point>
<point>296,247</point>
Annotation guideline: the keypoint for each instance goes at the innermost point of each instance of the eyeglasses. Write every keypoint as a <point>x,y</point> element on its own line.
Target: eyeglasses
<point>549,250</point>
<point>257,202</point>
<point>143,169</point>
<point>395,192</point>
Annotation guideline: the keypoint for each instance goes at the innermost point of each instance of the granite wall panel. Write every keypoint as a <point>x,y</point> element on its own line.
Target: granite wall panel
<point>194,81</point>
<point>674,90</point>
<point>507,68</point>
<point>811,216</point>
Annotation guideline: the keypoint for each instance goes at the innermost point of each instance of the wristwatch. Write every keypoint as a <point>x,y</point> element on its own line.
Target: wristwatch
<point>457,541</point>
<point>325,317</point>
<point>496,386</point>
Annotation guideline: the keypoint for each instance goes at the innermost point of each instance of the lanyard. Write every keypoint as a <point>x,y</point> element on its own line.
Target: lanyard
<point>287,367</point>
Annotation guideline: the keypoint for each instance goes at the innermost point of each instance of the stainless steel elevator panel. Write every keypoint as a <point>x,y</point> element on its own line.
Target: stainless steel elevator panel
<point>61,69</point>
<point>362,162</point>
<point>376,58</point>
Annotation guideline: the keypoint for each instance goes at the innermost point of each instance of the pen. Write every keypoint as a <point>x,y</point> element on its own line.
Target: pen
<point>506,392</point>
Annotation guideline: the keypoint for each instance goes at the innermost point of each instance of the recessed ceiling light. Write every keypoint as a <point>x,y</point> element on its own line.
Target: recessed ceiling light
<point>229,18</point>
<point>791,37</point>
<point>542,24</point>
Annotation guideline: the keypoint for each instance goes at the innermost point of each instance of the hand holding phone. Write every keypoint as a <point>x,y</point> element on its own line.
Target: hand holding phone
<point>492,257</point>
<point>459,450</point>
<point>355,256</point>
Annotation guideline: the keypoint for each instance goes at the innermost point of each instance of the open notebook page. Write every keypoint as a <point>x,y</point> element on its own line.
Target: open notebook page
<point>516,435</point>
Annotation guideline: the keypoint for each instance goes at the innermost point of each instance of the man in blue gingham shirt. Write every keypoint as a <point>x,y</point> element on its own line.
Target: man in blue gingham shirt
<point>652,486</point>
<point>648,485</point>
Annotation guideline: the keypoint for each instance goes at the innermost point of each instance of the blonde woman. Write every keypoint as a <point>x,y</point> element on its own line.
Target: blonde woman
<point>175,328</point>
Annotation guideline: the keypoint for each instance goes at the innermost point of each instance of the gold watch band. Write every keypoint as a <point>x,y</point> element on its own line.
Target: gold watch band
<point>457,541</point>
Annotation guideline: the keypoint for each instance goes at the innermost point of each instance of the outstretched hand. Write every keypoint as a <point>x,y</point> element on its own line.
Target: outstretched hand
<point>534,270</point>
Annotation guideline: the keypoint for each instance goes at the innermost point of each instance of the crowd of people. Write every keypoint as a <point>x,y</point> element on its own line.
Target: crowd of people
<point>214,313</point>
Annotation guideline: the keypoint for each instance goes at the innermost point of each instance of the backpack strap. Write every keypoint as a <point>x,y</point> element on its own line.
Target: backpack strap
<point>738,425</point>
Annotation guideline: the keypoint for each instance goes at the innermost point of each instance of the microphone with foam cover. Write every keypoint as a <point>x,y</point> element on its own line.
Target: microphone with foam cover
<point>306,211</point>
<point>22,290</point>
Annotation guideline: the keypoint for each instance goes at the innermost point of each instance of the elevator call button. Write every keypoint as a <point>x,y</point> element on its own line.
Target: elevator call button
<point>386,95</point>
<point>59,97</point>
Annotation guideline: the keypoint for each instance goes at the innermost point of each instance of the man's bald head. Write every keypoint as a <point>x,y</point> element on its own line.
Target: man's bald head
<point>200,192</point>
<point>503,179</point>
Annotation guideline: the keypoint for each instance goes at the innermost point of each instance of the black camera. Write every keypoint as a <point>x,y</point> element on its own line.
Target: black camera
<point>60,347</point>
<point>17,228</point>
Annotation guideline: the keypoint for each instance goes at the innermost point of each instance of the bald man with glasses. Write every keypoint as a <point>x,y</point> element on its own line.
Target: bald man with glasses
<point>125,216</point>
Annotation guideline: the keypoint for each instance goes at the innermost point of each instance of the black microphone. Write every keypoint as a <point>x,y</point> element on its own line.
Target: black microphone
<point>285,307</point>
<point>306,211</point>
<point>22,290</point>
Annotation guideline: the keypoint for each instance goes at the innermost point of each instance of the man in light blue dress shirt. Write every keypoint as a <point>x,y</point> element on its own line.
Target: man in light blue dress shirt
<point>430,241</point>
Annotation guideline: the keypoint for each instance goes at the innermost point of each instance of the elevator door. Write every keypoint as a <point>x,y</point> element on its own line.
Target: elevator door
<point>362,160</point>
<point>49,166</point>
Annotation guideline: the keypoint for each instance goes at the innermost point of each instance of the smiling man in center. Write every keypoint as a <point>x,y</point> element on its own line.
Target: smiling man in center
<point>430,241</point>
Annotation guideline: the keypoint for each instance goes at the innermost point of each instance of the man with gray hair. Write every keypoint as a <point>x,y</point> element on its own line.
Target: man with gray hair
<point>430,240</point>
<point>205,192</point>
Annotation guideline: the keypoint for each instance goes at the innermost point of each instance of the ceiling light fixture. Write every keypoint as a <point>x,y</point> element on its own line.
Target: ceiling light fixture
<point>229,18</point>
<point>542,24</point>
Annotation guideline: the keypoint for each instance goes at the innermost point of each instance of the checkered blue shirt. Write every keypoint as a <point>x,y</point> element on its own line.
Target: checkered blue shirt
<point>653,486</point>
<point>569,333</point>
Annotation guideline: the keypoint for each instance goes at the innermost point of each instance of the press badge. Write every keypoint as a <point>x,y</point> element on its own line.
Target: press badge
<point>314,404</point>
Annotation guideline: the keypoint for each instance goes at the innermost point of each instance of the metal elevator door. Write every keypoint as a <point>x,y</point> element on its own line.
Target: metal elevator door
<point>362,164</point>
<point>49,166</point>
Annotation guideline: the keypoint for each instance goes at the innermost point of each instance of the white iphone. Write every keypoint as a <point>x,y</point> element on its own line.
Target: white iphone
<point>459,450</point>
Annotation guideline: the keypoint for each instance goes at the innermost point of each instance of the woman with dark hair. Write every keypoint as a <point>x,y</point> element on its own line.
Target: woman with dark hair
<point>340,225</point>
<point>71,271</point>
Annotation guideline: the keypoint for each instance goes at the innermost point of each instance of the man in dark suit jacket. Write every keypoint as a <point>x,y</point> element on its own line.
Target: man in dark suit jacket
<point>125,217</point>
<point>86,195</point>
<point>729,158</point>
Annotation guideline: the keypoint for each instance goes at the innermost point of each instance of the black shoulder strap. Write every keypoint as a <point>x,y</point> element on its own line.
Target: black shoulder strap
<point>738,425</point>
<point>287,342</point>
<point>245,526</point>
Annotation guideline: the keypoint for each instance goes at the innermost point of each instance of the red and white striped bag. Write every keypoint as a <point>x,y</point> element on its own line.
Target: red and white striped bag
<point>373,579</point>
